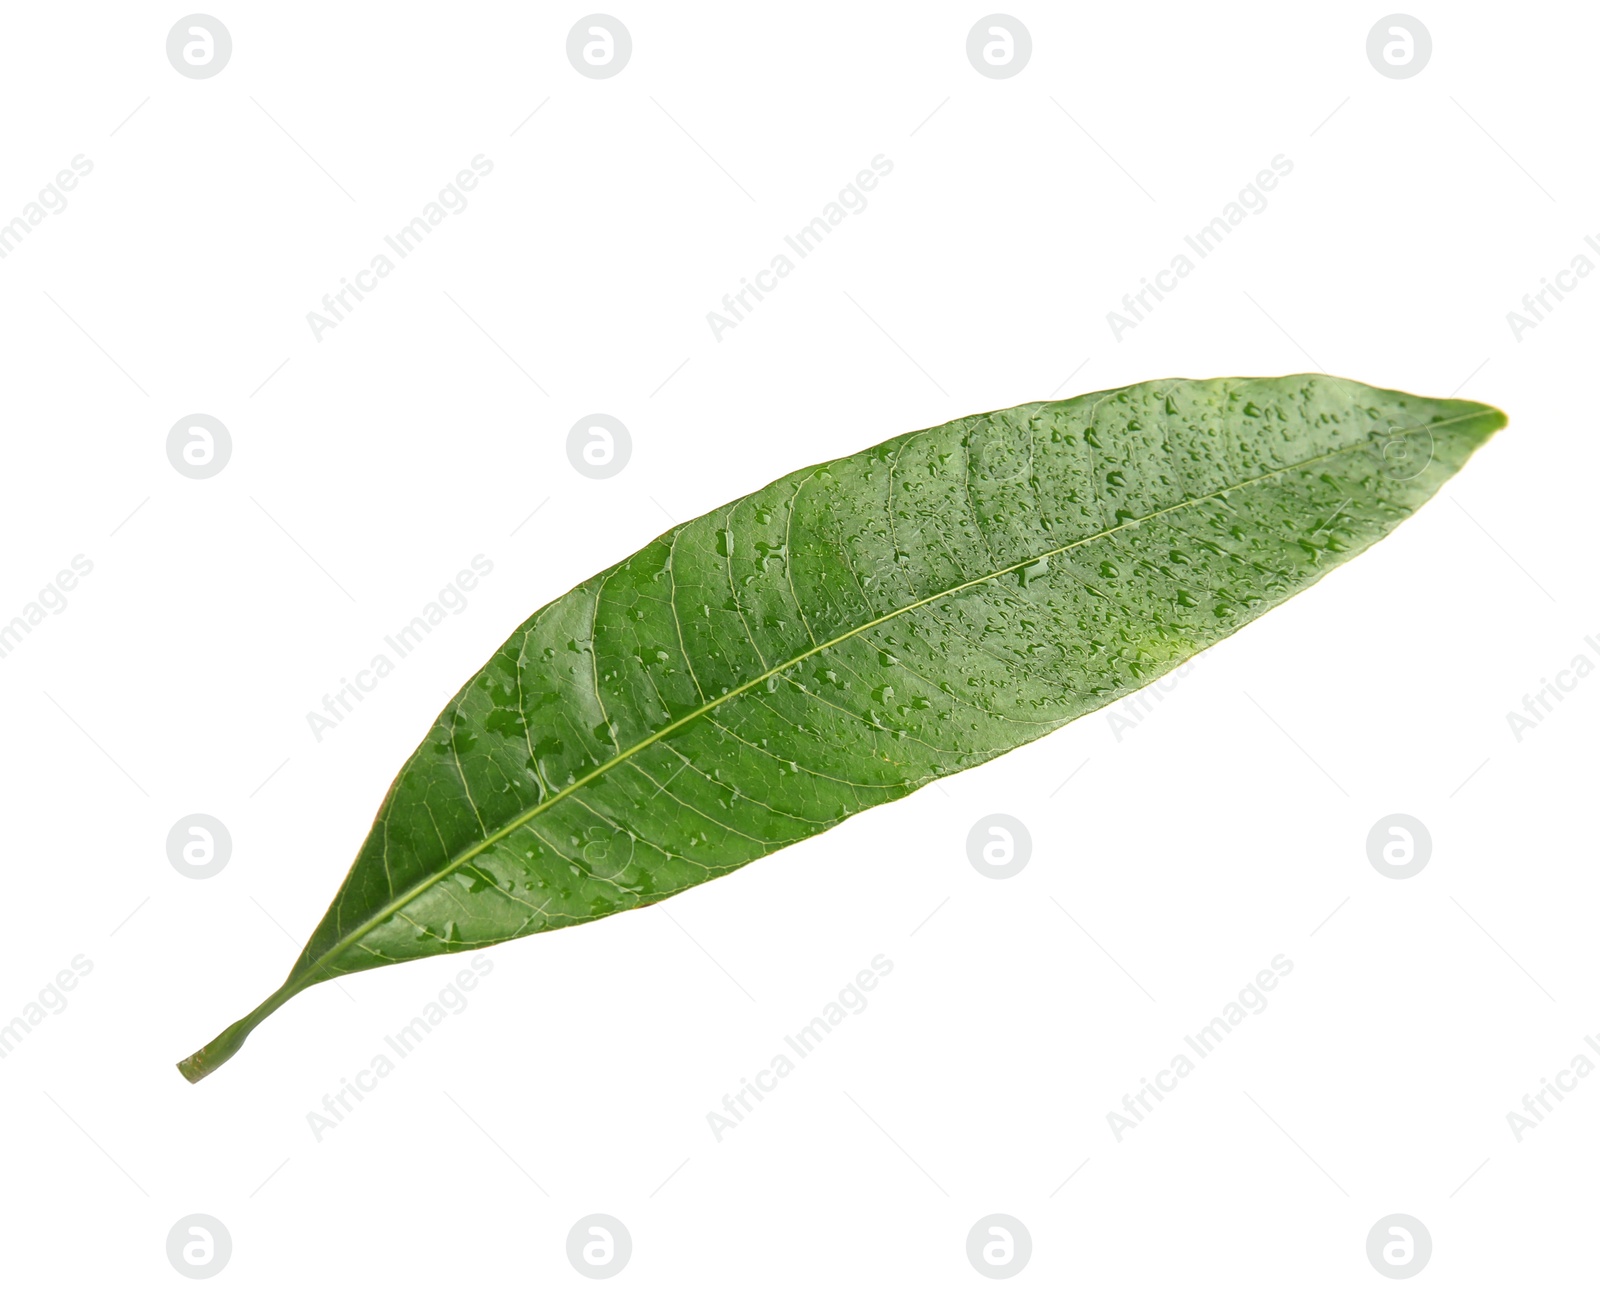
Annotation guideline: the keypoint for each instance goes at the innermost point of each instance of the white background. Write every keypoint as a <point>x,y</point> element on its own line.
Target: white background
<point>1225,828</point>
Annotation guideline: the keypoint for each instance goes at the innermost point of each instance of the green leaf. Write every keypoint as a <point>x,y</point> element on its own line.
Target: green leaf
<point>854,631</point>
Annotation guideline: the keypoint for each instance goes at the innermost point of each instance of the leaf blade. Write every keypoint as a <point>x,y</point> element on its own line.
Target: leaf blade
<point>945,596</point>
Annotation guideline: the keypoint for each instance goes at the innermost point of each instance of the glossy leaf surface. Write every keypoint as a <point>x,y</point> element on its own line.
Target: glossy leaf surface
<point>857,629</point>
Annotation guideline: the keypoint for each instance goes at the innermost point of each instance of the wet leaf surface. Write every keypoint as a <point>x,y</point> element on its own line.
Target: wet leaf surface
<point>855,630</point>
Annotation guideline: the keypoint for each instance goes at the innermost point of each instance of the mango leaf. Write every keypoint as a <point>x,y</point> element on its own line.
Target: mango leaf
<point>855,630</point>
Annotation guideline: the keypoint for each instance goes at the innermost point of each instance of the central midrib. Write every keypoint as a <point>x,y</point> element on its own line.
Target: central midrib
<point>354,937</point>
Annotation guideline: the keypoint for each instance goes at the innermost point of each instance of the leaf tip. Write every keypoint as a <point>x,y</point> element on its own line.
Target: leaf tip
<point>1476,422</point>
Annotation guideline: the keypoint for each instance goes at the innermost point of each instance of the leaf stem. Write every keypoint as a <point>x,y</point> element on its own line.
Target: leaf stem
<point>220,1049</point>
